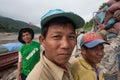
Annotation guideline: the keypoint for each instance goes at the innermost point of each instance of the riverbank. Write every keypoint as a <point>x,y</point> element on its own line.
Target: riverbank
<point>12,37</point>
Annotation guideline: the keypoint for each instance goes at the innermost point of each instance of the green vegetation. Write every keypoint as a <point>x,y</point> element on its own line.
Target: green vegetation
<point>88,25</point>
<point>10,25</point>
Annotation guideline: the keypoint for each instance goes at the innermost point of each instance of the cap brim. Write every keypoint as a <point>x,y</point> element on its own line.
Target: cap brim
<point>77,20</point>
<point>95,43</point>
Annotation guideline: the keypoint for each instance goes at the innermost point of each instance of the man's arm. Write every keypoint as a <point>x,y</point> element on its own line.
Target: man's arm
<point>18,70</point>
<point>19,66</point>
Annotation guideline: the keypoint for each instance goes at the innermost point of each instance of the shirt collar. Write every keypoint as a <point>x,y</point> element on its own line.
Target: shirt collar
<point>86,64</point>
<point>54,69</point>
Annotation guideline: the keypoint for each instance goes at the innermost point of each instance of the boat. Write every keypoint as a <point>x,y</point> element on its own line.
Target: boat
<point>7,59</point>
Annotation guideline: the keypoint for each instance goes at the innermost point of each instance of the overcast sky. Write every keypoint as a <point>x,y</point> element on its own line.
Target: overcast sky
<point>32,10</point>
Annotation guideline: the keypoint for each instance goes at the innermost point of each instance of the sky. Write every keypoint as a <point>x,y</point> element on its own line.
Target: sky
<point>32,10</point>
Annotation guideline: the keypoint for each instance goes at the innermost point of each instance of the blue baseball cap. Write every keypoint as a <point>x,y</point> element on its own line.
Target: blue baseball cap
<point>92,39</point>
<point>76,19</point>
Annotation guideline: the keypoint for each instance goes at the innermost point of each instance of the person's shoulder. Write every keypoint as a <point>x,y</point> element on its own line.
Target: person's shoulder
<point>75,63</point>
<point>36,72</point>
<point>39,72</point>
<point>22,47</point>
<point>36,43</point>
<point>80,36</point>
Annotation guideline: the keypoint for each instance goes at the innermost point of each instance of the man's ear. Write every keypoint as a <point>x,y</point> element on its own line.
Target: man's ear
<point>42,40</point>
<point>83,50</point>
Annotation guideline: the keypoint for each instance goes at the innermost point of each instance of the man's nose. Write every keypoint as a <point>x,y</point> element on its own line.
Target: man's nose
<point>65,43</point>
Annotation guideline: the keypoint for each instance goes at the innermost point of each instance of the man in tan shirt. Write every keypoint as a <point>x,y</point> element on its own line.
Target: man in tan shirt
<point>58,39</point>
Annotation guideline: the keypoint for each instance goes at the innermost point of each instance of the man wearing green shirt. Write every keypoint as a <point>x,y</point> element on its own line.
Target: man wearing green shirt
<point>29,53</point>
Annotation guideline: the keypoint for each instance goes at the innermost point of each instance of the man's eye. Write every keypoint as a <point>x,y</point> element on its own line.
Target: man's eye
<point>72,37</point>
<point>56,37</point>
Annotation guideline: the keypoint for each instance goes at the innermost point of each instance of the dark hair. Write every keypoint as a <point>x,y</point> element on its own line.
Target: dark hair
<point>23,30</point>
<point>85,47</point>
<point>117,0</point>
<point>58,20</point>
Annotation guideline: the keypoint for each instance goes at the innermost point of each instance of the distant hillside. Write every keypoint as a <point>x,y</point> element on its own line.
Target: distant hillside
<point>10,25</point>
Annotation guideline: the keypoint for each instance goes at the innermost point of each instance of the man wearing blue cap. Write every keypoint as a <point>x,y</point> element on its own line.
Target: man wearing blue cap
<point>58,39</point>
<point>92,50</point>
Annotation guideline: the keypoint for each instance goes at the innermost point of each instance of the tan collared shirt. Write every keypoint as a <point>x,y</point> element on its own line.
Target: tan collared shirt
<point>47,70</point>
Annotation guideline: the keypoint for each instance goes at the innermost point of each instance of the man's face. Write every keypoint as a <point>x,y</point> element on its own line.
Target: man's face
<point>94,55</point>
<point>26,37</point>
<point>59,43</point>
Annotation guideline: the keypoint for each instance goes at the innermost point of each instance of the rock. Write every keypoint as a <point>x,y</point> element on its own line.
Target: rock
<point>110,61</point>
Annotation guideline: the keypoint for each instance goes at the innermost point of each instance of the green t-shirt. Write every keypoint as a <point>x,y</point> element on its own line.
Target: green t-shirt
<point>30,56</point>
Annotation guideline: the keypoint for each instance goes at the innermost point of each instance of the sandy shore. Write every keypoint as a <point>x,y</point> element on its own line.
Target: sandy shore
<point>8,37</point>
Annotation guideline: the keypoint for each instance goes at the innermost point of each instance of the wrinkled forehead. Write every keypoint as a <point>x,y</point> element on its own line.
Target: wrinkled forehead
<point>67,28</point>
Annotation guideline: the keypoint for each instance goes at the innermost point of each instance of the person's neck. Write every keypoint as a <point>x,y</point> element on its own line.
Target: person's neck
<point>28,43</point>
<point>60,65</point>
<point>64,67</point>
<point>92,64</point>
